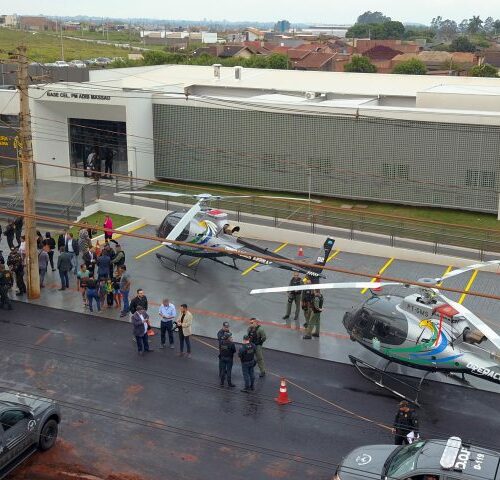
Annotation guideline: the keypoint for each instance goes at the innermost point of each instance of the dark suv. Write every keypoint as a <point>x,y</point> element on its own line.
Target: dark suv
<point>27,424</point>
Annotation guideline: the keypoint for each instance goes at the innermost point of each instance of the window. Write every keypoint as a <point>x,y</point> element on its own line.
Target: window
<point>11,417</point>
<point>481,178</point>
<point>396,171</point>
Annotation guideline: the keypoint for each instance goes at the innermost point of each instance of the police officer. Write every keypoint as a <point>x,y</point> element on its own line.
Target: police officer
<point>9,233</point>
<point>306,300</point>
<point>406,421</point>
<point>293,297</point>
<point>223,331</point>
<point>226,355</point>
<point>5,285</point>
<point>315,316</point>
<point>257,336</point>
<point>247,357</point>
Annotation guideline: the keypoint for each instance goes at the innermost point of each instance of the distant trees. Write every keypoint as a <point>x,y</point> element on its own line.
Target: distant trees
<point>360,64</point>
<point>414,66</point>
<point>377,31</point>
<point>484,70</point>
<point>373,18</point>
<point>462,44</point>
<point>475,24</point>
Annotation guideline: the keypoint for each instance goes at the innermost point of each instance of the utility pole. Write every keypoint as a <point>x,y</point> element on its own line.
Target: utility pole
<point>62,44</point>
<point>28,176</point>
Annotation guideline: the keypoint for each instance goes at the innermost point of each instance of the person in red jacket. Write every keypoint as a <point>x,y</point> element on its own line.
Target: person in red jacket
<point>108,227</point>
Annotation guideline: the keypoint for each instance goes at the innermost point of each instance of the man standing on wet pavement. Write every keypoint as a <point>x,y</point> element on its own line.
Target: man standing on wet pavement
<point>247,357</point>
<point>140,329</point>
<point>223,331</point>
<point>15,262</point>
<point>313,326</point>
<point>257,338</point>
<point>167,316</point>
<point>5,286</point>
<point>406,421</point>
<point>124,290</point>
<point>226,356</point>
<point>293,298</point>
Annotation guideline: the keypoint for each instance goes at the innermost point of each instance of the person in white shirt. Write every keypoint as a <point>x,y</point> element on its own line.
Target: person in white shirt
<point>167,316</point>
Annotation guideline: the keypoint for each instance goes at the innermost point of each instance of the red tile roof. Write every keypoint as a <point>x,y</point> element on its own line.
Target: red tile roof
<point>314,60</point>
<point>381,52</point>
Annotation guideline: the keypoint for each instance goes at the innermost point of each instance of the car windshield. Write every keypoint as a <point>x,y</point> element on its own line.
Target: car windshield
<point>403,460</point>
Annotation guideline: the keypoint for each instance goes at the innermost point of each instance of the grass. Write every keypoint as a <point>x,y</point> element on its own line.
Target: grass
<point>458,217</point>
<point>46,47</point>
<point>98,219</point>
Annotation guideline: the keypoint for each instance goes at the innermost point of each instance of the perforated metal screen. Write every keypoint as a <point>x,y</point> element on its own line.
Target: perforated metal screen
<point>424,163</point>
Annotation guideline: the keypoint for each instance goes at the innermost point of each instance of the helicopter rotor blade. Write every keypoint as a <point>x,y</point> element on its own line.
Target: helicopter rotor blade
<point>324,286</point>
<point>183,222</point>
<point>474,320</point>
<point>160,193</point>
<point>459,271</point>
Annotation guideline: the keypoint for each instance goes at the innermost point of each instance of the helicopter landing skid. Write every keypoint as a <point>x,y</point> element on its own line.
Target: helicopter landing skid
<point>377,375</point>
<point>167,263</point>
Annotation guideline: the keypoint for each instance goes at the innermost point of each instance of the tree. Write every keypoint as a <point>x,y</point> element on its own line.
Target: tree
<point>475,24</point>
<point>360,64</point>
<point>414,66</point>
<point>464,26</point>
<point>277,61</point>
<point>448,30</point>
<point>496,27</point>
<point>393,30</point>
<point>155,57</point>
<point>373,17</point>
<point>436,23</point>
<point>488,25</point>
<point>484,70</point>
<point>359,30</point>
<point>462,44</point>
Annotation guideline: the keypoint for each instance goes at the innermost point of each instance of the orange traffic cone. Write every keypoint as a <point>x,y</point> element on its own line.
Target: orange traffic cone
<point>377,289</point>
<point>300,253</point>
<point>282,398</point>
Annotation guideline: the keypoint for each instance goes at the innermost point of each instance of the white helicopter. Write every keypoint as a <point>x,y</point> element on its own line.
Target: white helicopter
<point>202,226</point>
<point>423,330</point>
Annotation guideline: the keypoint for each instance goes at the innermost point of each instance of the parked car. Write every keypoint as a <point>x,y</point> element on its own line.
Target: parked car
<point>77,64</point>
<point>422,460</point>
<point>89,62</point>
<point>103,61</point>
<point>27,424</point>
<point>61,63</point>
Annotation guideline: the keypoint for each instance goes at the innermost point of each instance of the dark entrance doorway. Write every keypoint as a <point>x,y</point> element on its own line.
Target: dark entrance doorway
<point>108,140</point>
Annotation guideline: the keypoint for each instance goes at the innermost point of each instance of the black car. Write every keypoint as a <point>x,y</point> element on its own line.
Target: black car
<point>27,424</point>
<point>422,460</point>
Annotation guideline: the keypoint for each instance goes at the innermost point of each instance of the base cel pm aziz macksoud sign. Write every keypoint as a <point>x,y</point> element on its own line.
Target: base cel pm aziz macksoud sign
<point>78,96</point>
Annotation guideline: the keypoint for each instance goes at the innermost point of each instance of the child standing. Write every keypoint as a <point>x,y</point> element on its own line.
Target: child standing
<point>109,292</point>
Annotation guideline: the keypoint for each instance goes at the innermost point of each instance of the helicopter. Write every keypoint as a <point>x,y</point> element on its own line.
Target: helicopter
<point>424,330</point>
<point>203,226</point>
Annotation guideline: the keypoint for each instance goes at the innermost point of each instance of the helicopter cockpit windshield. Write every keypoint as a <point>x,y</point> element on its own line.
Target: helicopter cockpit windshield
<point>378,318</point>
<point>169,222</point>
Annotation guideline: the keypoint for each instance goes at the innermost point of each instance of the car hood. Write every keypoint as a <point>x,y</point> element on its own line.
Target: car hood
<point>36,404</point>
<point>366,462</point>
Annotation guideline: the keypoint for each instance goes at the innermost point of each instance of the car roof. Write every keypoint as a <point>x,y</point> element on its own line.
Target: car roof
<point>466,462</point>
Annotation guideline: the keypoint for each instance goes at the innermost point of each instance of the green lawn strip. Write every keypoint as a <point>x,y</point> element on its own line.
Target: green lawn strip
<point>46,47</point>
<point>98,219</point>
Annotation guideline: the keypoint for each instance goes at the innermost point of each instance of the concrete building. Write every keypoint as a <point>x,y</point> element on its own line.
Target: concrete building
<point>419,140</point>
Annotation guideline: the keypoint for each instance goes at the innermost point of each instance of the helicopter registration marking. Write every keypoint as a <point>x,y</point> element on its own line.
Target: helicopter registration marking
<point>255,265</point>
<point>483,371</point>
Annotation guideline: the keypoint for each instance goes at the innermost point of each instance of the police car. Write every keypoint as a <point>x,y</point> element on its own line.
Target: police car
<point>27,424</point>
<point>422,460</point>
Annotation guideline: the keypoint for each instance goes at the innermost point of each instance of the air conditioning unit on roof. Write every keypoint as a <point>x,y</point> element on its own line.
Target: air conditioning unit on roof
<point>312,95</point>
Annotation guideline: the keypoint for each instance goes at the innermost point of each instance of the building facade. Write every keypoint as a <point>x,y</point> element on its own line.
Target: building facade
<point>418,140</point>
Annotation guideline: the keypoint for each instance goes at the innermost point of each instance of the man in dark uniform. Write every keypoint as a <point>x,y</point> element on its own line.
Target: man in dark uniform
<point>313,326</point>
<point>18,226</point>
<point>223,331</point>
<point>247,357</point>
<point>9,234</point>
<point>15,263</point>
<point>226,355</point>
<point>293,297</point>
<point>257,337</point>
<point>5,286</point>
<point>306,300</point>
<point>406,421</point>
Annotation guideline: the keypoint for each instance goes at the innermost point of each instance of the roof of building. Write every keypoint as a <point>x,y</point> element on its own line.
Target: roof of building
<point>381,52</point>
<point>297,54</point>
<point>314,60</point>
<point>492,57</point>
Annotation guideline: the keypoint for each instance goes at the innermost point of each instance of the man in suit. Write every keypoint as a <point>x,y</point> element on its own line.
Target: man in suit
<point>184,324</point>
<point>64,266</point>
<point>71,246</point>
<point>140,329</point>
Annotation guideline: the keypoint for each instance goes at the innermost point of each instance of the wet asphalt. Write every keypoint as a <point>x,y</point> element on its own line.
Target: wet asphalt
<point>162,416</point>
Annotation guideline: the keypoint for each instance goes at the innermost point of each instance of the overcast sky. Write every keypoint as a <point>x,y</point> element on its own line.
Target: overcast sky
<point>310,11</point>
